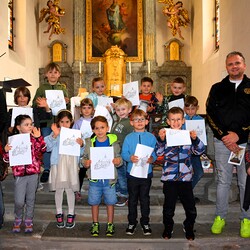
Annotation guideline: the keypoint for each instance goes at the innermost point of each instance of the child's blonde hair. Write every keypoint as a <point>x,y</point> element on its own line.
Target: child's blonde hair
<point>123,102</point>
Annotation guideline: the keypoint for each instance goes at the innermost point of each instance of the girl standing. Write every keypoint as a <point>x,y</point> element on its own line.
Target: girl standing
<point>64,170</point>
<point>87,111</point>
<point>26,176</point>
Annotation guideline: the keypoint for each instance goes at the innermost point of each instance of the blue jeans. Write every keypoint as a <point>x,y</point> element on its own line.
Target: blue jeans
<point>1,206</point>
<point>224,172</point>
<point>197,168</point>
<point>99,189</point>
<point>46,156</point>
<point>121,184</point>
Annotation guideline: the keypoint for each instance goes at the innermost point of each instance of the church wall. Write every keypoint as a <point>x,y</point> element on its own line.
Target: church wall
<point>208,69</point>
<point>23,61</point>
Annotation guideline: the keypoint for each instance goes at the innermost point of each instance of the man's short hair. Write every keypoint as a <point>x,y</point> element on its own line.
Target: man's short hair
<point>235,53</point>
<point>123,102</point>
<point>191,101</point>
<point>176,110</point>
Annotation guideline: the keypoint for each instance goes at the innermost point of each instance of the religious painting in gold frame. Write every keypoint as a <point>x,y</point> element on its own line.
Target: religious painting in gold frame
<point>114,22</point>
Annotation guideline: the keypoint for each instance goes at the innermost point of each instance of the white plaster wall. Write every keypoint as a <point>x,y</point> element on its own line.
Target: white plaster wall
<point>210,68</point>
<point>23,62</point>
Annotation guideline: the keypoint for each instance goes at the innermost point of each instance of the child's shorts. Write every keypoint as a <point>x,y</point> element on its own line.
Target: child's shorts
<point>99,189</point>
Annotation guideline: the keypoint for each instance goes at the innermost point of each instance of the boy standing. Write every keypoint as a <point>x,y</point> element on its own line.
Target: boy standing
<point>147,96</point>
<point>190,108</point>
<point>101,188</point>
<point>121,128</point>
<point>52,73</point>
<point>177,175</point>
<point>178,88</point>
<point>138,188</point>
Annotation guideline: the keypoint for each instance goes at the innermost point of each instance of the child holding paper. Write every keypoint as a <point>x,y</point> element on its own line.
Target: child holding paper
<point>177,175</point>
<point>22,98</point>
<point>52,74</point>
<point>64,170</point>
<point>103,187</point>
<point>178,88</point>
<point>138,188</point>
<point>191,107</point>
<point>98,89</point>
<point>121,128</point>
<point>26,176</point>
<point>87,111</point>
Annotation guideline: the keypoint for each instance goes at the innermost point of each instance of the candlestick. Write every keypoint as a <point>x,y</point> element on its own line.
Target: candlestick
<point>149,67</point>
<point>80,67</point>
<point>100,67</point>
<point>129,67</point>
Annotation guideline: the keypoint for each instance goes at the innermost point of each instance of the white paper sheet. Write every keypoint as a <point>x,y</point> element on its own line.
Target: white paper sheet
<point>177,103</point>
<point>86,129</point>
<point>101,110</point>
<point>105,101</point>
<point>68,144</point>
<point>143,105</point>
<point>236,159</point>
<point>55,100</point>
<point>140,169</point>
<point>16,111</point>
<point>131,92</point>
<point>177,137</point>
<point>199,127</point>
<point>20,154</point>
<point>101,163</point>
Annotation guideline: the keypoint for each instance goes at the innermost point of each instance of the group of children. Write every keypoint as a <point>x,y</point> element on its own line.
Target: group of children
<point>128,130</point>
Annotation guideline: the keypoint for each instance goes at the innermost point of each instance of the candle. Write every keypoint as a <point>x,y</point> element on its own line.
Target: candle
<point>129,67</point>
<point>149,67</point>
<point>100,67</point>
<point>80,67</point>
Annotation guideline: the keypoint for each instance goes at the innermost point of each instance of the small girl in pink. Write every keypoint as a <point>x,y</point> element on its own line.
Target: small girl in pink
<point>26,176</point>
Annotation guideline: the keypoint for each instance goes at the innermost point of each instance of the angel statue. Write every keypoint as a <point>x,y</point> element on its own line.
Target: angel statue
<point>177,16</point>
<point>54,13</point>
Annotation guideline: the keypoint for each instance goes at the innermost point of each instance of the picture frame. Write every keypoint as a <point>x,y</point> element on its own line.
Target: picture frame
<point>114,22</point>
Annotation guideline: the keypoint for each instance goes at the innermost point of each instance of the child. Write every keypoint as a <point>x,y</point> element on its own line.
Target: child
<point>121,128</point>
<point>177,175</point>
<point>98,87</point>
<point>138,188</point>
<point>87,111</point>
<point>26,176</point>
<point>64,170</point>
<point>22,98</point>
<point>52,73</point>
<point>190,108</point>
<point>146,95</point>
<point>101,188</point>
<point>178,88</point>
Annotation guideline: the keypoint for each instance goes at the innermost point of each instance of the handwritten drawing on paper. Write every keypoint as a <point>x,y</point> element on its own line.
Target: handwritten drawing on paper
<point>56,101</point>
<point>176,137</point>
<point>86,129</point>
<point>140,168</point>
<point>199,127</point>
<point>21,149</point>
<point>102,166</point>
<point>67,142</point>
<point>131,92</point>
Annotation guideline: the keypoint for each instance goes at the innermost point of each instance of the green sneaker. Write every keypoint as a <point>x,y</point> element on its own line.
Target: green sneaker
<point>95,229</point>
<point>110,230</point>
<point>218,225</point>
<point>245,228</point>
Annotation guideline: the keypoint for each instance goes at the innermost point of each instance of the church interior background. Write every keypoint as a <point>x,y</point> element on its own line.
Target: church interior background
<point>199,58</point>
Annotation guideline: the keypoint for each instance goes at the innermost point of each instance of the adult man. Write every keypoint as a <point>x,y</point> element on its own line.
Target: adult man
<point>228,113</point>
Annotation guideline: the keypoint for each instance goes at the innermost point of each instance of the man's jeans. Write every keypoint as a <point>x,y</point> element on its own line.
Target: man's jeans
<point>224,172</point>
